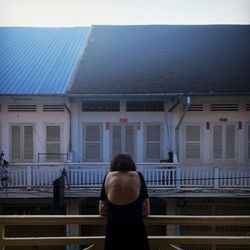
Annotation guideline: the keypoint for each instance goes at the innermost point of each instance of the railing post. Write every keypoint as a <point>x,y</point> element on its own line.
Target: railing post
<point>29,177</point>
<point>178,177</point>
<point>72,229</point>
<point>216,177</point>
<point>2,235</point>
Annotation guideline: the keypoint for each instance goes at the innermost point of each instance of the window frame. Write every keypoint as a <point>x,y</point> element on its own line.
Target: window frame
<point>247,157</point>
<point>146,159</point>
<point>60,125</point>
<point>224,144</point>
<point>22,125</point>
<point>123,141</point>
<point>184,142</point>
<point>85,124</point>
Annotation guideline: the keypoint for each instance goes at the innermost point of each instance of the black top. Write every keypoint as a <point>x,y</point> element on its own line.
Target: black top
<point>125,227</point>
<point>128,213</point>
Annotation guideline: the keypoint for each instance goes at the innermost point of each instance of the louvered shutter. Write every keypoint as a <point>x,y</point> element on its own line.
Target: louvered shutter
<point>230,142</point>
<point>116,140</point>
<point>192,141</point>
<point>217,142</point>
<point>130,140</point>
<point>53,143</point>
<point>16,143</point>
<point>153,142</point>
<point>28,143</point>
<point>248,142</point>
<point>92,145</point>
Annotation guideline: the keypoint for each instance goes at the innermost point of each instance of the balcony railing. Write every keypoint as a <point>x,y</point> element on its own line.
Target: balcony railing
<point>157,175</point>
<point>163,242</point>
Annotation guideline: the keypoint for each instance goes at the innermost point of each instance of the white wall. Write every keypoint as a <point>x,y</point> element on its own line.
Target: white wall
<point>169,120</point>
<point>38,119</point>
<point>113,117</point>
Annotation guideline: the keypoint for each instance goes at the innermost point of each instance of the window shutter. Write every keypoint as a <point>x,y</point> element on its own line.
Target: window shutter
<point>116,140</point>
<point>230,142</point>
<point>248,142</point>
<point>217,142</point>
<point>16,143</point>
<point>53,143</point>
<point>92,140</point>
<point>28,143</point>
<point>192,141</point>
<point>153,142</point>
<point>130,140</point>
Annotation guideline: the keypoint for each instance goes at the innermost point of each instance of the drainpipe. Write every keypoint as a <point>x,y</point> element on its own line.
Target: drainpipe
<point>168,122</point>
<point>177,128</point>
<point>70,128</point>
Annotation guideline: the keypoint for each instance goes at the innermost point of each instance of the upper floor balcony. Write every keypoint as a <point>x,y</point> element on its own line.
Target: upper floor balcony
<point>163,179</point>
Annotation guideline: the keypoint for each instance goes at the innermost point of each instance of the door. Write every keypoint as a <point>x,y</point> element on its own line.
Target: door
<point>22,148</point>
<point>224,146</point>
<point>123,139</point>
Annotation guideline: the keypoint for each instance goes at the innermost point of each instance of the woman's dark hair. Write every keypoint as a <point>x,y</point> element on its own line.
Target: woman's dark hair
<point>122,162</point>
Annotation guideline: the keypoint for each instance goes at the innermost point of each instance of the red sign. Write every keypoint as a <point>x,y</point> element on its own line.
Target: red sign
<point>138,125</point>
<point>240,124</point>
<point>123,120</point>
<point>207,125</point>
<point>223,119</point>
<point>107,125</point>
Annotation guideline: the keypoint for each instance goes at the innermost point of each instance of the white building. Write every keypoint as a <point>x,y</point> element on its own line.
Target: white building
<point>144,90</point>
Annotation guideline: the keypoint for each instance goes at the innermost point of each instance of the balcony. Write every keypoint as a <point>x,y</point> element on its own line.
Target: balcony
<point>162,242</point>
<point>160,177</point>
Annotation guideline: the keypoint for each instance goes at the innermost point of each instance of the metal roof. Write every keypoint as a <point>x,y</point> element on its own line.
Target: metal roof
<point>165,59</point>
<point>38,60</point>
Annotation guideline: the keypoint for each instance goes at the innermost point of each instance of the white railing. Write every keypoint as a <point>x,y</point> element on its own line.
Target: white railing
<point>157,175</point>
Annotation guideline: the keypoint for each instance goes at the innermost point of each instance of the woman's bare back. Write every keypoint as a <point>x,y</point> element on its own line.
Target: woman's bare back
<point>122,187</point>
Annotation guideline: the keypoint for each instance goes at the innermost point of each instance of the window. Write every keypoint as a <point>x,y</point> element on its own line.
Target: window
<point>248,141</point>
<point>123,139</point>
<point>192,142</point>
<point>101,106</point>
<point>146,106</point>
<point>223,142</point>
<point>22,143</point>
<point>153,142</point>
<point>92,142</point>
<point>0,139</point>
<point>53,143</point>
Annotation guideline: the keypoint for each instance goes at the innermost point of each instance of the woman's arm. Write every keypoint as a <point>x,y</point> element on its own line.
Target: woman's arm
<point>102,208</point>
<point>146,207</point>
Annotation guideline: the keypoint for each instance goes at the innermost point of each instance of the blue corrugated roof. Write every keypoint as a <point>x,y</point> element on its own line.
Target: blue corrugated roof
<point>38,60</point>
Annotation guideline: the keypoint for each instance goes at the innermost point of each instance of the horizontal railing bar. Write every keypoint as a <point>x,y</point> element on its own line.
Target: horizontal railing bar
<point>101,220</point>
<point>193,240</point>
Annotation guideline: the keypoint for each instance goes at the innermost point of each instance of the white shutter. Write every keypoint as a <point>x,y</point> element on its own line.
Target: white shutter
<point>153,142</point>
<point>217,142</point>
<point>28,143</point>
<point>130,140</point>
<point>123,139</point>
<point>193,141</point>
<point>16,143</point>
<point>248,141</point>
<point>92,142</point>
<point>230,142</point>
<point>116,140</point>
<point>224,141</point>
<point>22,143</point>
<point>53,143</point>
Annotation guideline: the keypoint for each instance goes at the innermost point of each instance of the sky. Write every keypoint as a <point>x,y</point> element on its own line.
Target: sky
<point>71,13</point>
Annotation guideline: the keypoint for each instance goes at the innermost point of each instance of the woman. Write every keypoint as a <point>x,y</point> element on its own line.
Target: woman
<point>124,199</point>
